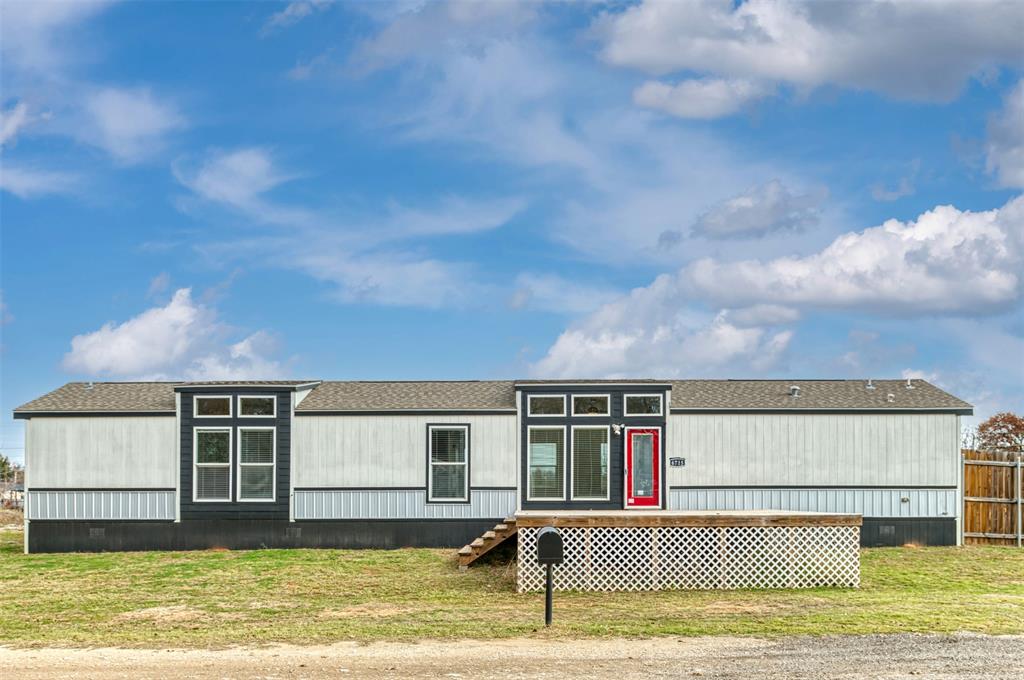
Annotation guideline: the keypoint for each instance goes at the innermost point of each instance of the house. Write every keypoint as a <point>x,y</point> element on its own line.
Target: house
<point>183,465</point>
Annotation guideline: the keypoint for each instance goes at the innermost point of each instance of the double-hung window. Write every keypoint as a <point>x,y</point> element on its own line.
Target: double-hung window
<point>448,463</point>
<point>256,457</point>
<point>212,473</point>
<point>590,463</point>
<point>546,463</point>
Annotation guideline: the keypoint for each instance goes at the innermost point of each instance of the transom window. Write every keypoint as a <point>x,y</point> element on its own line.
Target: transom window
<point>212,407</point>
<point>448,463</point>
<point>590,404</point>
<point>212,467</point>
<point>546,463</point>
<point>256,457</point>
<point>643,405</point>
<point>257,407</point>
<point>590,463</point>
<point>546,406</point>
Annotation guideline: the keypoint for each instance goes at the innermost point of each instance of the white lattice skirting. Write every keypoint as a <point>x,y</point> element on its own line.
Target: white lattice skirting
<point>701,558</point>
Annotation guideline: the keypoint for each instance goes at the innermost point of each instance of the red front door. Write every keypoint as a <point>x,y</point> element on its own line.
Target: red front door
<point>643,467</point>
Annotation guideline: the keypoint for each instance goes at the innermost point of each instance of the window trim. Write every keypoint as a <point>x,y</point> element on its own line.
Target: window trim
<point>661,405</point>
<point>529,400</point>
<point>272,397</point>
<point>572,456</point>
<point>430,462</point>
<point>196,464</point>
<point>529,449</point>
<point>197,397</point>
<point>272,465</point>
<point>572,405</point>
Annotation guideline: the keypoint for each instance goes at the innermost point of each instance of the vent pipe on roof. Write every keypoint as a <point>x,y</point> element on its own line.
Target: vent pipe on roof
<point>910,384</point>
<point>794,390</point>
<point>89,386</point>
<point>890,397</point>
<point>871,384</point>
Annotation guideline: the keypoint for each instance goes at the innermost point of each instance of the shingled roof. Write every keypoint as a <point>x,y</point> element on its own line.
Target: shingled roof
<point>499,395</point>
<point>813,394</point>
<point>469,395</point>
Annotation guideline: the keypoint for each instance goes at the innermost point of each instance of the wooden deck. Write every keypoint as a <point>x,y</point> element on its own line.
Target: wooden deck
<point>681,518</point>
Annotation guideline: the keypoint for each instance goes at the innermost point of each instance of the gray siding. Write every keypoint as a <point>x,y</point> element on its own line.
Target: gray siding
<point>399,504</point>
<point>101,504</point>
<point>794,450</point>
<point>101,452</point>
<point>868,502</point>
<point>391,450</point>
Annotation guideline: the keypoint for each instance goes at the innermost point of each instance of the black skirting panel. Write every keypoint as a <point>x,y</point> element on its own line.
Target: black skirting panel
<point>896,531</point>
<point>101,536</point>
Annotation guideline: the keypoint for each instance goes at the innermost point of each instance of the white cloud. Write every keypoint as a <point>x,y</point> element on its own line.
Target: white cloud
<point>652,331</point>
<point>1004,147</point>
<point>182,339</point>
<point>376,258</point>
<point>946,261</point>
<point>11,121</point>
<point>36,35</point>
<point>29,183</point>
<point>293,13</point>
<point>861,45</point>
<point>759,211</point>
<point>702,98</point>
<point>552,293</point>
<point>129,124</point>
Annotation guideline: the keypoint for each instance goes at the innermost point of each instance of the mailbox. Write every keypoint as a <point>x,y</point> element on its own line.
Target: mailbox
<point>549,546</point>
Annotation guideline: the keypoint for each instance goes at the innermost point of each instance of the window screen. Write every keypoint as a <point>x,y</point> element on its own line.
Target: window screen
<point>213,465</point>
<point>590,462</point>
<point>547,406</point>
<point>449,463</point>
<point>255,464</point>
<point>256,406</point>
<point>547,457</point>
<point>213,406</point>
<point>643,405</point>
<point>590,405</point>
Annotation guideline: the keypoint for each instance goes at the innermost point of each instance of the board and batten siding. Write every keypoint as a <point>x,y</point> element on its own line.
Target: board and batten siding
<point>96,452</point>
<point>372,451</point>
<point>96,467</point>
<point>820,450</point>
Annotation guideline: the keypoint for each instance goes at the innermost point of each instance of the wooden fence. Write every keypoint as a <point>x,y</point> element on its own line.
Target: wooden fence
<point>993,498</point>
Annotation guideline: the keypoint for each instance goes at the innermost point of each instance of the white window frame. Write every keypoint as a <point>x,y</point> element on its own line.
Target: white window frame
<point>530,414</point>
<point>572,454</point>
<point>529,449</point>
<point>242,397</point>
<point>661,404</point>
<point>572,406</point>
<point>197,397</point>
<point>431,464</point>
<point>196,464</point>
<point>272,464</point>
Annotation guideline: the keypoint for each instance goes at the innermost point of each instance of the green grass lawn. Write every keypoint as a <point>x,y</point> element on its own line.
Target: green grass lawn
<point>311,596</point>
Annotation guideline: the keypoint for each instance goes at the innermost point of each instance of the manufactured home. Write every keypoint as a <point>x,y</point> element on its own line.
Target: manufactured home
<point>311,463</point>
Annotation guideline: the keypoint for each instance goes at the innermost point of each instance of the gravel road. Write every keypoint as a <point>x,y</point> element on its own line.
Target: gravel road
<point>880,656</point>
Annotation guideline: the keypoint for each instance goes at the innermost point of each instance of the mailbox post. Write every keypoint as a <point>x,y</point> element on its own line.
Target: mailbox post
<point>549,553</point>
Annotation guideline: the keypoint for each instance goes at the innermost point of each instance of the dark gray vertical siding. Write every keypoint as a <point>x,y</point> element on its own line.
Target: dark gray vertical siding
<point>616,447</point>
<point>234,509</point>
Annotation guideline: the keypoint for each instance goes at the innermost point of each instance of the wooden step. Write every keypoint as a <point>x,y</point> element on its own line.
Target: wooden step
<point>485,543</point>
<point>488,536</point>
<point>477,543</point>
<point>465,550</point>
<point>500,528</point>
<point>510,521</point>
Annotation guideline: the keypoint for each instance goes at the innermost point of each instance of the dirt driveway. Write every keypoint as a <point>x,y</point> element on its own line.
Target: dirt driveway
<point>889,656</point>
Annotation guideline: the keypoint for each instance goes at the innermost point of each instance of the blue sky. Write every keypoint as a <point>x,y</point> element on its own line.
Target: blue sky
<point>459,190</point>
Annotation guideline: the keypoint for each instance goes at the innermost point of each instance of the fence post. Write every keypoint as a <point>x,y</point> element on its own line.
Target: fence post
<point>1018,493</point>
